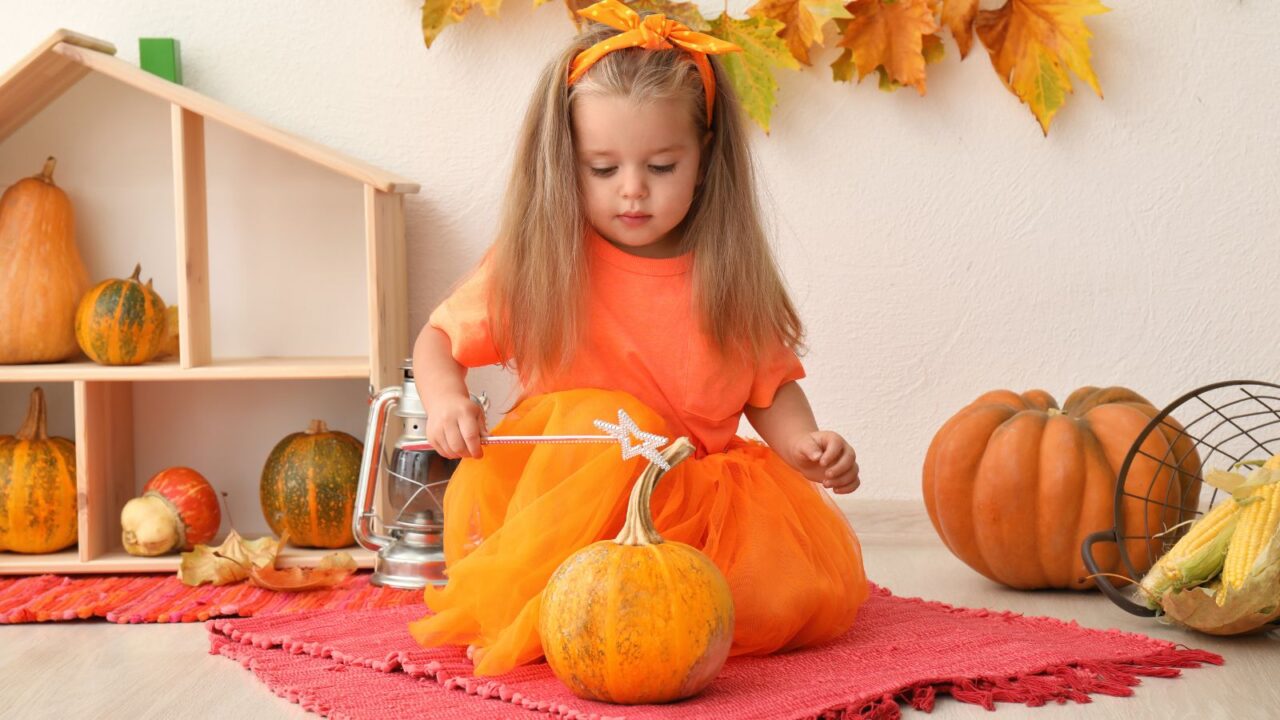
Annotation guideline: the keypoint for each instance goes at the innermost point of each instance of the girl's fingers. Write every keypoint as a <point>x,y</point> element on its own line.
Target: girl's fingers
<point>834,449</point>
<point>842,466</point>
<point>847,487</point>
<point>470,434</point>
<point>453,439</point>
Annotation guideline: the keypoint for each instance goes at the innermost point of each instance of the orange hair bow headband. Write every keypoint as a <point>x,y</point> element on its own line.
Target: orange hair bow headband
<point>654,32</point>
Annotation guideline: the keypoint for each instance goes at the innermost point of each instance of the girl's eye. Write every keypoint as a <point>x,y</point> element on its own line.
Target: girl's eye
<point>663,169</point>
<point>602,172</point>
<point>607,171</point>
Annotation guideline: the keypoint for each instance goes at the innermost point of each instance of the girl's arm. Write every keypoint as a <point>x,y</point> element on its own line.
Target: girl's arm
<point>788,426</point>
<point>454,422</point>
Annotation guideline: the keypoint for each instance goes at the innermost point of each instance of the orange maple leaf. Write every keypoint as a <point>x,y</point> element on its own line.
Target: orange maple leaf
<point>958,16</point>
<point>1032,43</point>
<point>802,21</point>
<point>330,572</point>
<point>887,34</point>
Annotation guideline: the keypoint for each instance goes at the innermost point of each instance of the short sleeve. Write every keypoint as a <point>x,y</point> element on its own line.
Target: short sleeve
<point>464,317</point>
<point>774,371</point>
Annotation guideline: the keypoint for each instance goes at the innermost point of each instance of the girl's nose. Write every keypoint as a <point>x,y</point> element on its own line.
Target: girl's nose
<point>633,184</point>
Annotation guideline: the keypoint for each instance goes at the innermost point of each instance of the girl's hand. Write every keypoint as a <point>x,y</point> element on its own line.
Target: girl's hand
<point>823,456</point>
<point>455,424</point>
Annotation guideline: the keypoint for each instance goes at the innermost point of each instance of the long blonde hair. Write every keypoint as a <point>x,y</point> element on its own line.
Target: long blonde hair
<point>540,273</point>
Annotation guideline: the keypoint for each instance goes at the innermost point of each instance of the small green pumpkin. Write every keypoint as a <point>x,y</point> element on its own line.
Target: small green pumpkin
<point>308,486</point>
<point>121,322</point>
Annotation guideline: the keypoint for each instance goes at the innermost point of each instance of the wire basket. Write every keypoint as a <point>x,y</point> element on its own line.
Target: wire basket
<point>1225,423</point>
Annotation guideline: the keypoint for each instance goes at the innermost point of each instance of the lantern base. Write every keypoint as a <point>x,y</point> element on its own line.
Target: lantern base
<point>412,560</point>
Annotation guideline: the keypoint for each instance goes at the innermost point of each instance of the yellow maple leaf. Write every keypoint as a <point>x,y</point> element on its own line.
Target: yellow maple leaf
<point>932,49</point>
<point>957,16</point>
<point>802,21</point>
<point>887,34</point>
<point>439,14</point>
<point>1033,43</point>
<point>229,562</point>
<point>750,71</point>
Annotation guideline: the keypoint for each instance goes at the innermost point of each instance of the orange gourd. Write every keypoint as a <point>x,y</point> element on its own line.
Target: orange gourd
<point>178,509</point>
<point>41,274</point>
<point>121,322</point>
<point>1013,485</point>
<point>37,486</point>
<point>637,619</point>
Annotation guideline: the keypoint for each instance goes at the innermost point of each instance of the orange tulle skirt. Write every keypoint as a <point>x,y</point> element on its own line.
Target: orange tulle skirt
<point>511,517</point>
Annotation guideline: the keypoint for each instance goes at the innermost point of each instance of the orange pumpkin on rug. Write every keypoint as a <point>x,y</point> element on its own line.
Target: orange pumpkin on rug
<point>37,486</point>
<point>637,619</point>
<point>1013,484</point>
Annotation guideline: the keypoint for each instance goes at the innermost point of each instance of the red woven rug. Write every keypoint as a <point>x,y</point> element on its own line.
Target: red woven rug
<point>356,665</point>
<point>162,598</point>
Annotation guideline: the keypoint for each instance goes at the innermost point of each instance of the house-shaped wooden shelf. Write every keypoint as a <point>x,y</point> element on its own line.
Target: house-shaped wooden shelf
<point>107,433</point>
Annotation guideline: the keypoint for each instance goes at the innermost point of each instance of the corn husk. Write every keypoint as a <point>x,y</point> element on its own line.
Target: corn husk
<point>1247,609</point>
<point>1196,569</point>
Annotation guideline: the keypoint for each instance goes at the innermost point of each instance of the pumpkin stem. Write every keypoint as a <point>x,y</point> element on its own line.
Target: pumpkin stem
<point>46,174</point>
<point>638,529</point>
<point>316,427</point>
<point>137,271</point>
<point>34,428</point>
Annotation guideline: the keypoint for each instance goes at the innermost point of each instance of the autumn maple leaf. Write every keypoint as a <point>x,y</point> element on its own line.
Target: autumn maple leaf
<point>958,16</point>
<point>750,71</point>
<point>888,34</point>
<point>1033,43</point>
<point>802,21</point>
<point>439,14</point>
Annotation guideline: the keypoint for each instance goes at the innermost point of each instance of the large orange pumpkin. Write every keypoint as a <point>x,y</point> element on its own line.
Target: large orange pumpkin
<point>308,486</point>
<point>637,619</point>
<point>41,274</point>
<point>1013,484</point>
<point>37,486</point>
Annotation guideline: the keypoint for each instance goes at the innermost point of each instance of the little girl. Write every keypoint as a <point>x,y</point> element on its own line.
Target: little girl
<point>631,272</point>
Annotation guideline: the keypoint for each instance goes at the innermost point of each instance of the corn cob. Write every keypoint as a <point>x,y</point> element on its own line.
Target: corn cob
<point>1258,522</point>
<point>1197,557</point>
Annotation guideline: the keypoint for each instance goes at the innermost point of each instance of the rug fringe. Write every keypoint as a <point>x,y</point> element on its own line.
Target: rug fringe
<point>1060,684</point>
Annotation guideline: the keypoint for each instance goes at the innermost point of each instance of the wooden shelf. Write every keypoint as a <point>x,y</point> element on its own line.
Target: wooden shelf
<point>67,561</point>
<point>118,561</point>
<point>262,368</point>
<point>110,425</point>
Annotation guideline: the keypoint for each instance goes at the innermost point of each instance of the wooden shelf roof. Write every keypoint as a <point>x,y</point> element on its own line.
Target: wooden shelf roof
<point>65,57</point>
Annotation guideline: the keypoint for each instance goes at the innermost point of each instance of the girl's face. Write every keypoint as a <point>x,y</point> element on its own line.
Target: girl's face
<point>637,168</point>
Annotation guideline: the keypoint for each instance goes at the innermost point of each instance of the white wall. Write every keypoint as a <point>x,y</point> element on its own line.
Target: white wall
<point>938,247</point>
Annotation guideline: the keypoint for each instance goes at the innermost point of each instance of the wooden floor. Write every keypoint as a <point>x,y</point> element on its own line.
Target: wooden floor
<point>96,669</point>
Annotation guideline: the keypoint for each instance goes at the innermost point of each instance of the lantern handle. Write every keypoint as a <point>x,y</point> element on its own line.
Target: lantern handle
<point>375,434</point>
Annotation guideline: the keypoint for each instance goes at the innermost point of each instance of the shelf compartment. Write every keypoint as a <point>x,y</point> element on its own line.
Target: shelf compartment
<point>68,562</point>
<point>261,368</point>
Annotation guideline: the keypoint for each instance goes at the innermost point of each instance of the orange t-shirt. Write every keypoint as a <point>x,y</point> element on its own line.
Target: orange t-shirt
<point>642,336</point>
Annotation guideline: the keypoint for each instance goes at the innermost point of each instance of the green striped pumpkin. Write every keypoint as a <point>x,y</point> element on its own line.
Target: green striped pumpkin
<point>121,322</point>
<point>37,486</point>
<point>308,486</point>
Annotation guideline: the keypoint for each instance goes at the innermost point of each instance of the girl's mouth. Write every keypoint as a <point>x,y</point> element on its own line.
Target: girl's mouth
<point>634,220</point>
